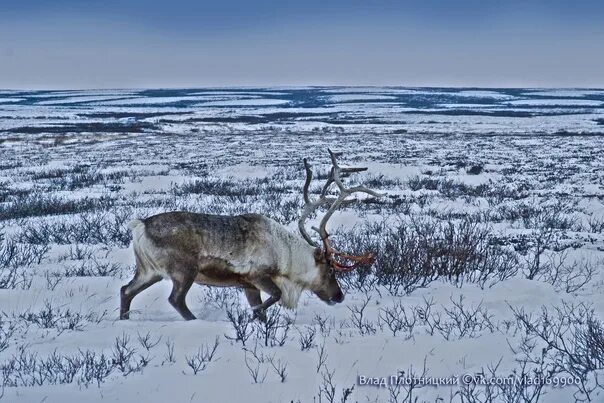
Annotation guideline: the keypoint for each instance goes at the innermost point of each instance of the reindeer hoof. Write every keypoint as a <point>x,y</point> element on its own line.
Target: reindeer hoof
<point>259,314</point>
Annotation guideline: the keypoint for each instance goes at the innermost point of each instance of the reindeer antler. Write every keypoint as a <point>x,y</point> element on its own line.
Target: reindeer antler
<point>335,177</point>
<point>309,206</point>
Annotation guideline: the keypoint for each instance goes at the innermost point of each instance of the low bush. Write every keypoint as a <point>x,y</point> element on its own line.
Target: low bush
<point>412,253</point>
<point>36,205</point>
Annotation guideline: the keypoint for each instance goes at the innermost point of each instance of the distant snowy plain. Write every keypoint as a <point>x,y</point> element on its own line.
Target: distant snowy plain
<point>522,167</point>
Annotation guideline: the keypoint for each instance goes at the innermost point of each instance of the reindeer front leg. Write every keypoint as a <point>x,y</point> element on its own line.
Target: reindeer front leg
<point>254,299</point>
<point>266,284</point>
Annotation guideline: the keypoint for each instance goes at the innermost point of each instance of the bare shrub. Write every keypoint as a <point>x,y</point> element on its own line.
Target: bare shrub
<point>241,320</point>
<point>595,223</point>
<point>52,280</point>
<point>571,340</point>
<point>475,169</point>
<point>537,214</point>
<point>78,252</point>
<point>205,355</point>
<point>280,368</point>
<point>325,324</point>
<point>512,392</point>
<point>555,214</point>
<point>95,367</point>
<point>93,268</point>
<point>321,357</point>
<point>540,240</point>
<point>412,254</point>
<point>571,276</point>
<point>416,183</point>
<point>307,338</point>
<point>7,329</point>
<point>255,362</point>
<point>358,318</point>
<point>492,386</point>
<point>14,257</point>
<point>222,298</point>
<point>405,388</point>
<point>399,319</point>
<point>451,189</point>
<point>328,390</point>
<point>381,181</point>
<point>90,228</point>
<point>479,392</point>
<point>229,187</point>
<point>275,329</point>
<point>28,369</point>
<point>53,317</point>
<point>282,209</point>
<point>14,254</point>
<point>547,221</point>
<point>147,340</point>
<point>80,177</point>
<point>169,357</point>
<point>255,370</point>
<point>460,320</point>
<point>123,356</point>
<point>39,204</point>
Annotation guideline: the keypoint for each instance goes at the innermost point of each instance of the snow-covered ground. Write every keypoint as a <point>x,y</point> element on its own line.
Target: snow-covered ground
<point>495,195</point>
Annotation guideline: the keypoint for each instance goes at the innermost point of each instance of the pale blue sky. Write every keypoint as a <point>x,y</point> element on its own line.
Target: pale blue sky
<point>179,43</point>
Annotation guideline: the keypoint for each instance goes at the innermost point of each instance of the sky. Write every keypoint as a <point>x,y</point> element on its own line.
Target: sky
<point>64,44</point>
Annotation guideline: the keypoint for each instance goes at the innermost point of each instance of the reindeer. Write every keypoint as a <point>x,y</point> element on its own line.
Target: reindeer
<point>250,251</point>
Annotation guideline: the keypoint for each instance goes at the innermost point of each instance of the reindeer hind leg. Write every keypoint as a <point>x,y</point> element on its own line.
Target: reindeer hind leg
<point>140,282</point>
<point>181,284</point>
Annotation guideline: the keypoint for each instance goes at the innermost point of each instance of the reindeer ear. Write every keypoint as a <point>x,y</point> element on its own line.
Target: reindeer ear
<point>318,255</point>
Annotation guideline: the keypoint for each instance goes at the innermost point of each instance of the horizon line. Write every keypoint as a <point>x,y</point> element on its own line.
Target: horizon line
<point>299,86</point>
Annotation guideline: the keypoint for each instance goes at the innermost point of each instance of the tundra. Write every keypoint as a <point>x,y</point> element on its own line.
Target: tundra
<point>250,251</point>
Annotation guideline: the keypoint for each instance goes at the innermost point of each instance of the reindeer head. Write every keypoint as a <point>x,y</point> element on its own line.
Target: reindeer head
<point>328,260</point>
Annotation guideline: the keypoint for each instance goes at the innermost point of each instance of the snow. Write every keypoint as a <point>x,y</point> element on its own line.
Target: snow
<point>483,94</point>
<point>243,171</point>
<point>154,183</point>
<point>151,100</point>
<point>212,93</point>
<point>462,105</point>
<point>578,93</point>
<point>353,97</point>
<point>246,102</point>
<point>82,99</point>
<point>8,100</point>
<point>555,102</point>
